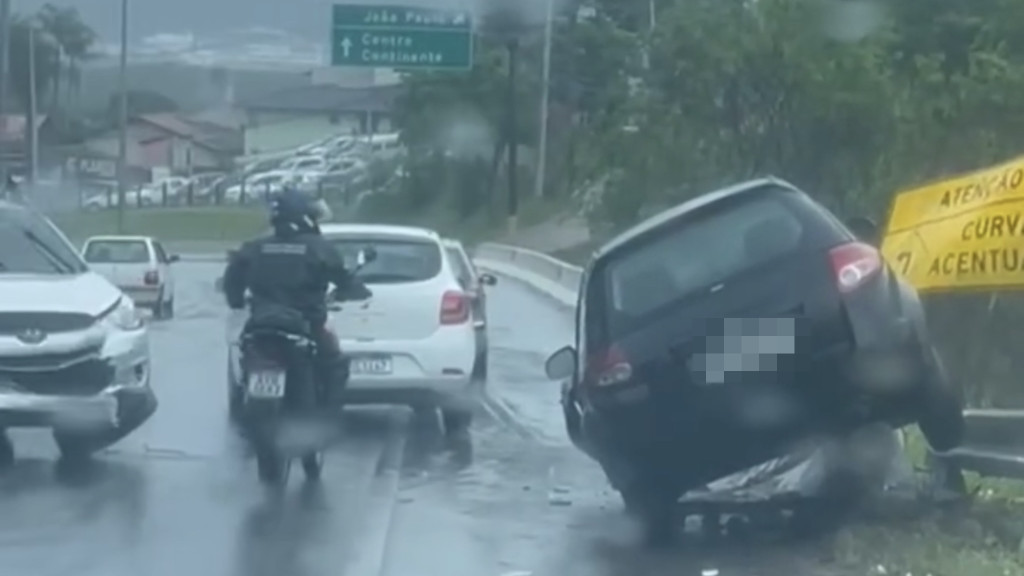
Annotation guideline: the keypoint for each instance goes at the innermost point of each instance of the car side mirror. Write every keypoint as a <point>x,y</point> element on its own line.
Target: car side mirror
<point>488,279</point>
<point>561,364</point>
<point>865,229</point>
<point>173,258</point>
<point>366,255</point>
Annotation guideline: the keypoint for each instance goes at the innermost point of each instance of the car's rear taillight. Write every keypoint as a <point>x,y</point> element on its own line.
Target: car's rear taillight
<point>152,278</point>
<point>454,308</point>
<point>854,264</point>
<point>608,368</point>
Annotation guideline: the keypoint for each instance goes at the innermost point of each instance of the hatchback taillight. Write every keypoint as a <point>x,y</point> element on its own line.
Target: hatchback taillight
<point>608,368</point>
<point>454,308</point>
<point>152,278</point>
<point>854,264</point>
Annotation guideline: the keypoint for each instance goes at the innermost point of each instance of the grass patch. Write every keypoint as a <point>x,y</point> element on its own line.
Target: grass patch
<point>974,542</point>
<point>982,537</point>
<point>213,223</point>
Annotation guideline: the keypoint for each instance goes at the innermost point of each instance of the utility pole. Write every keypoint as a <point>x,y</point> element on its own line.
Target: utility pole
<point>5,41</point>
<point>513,140</point>
<point>545,87</point>
<point>30,124</point>
<point>122,136</point>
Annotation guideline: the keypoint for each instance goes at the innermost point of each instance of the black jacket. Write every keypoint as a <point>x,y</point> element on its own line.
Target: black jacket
<point>286,272</point>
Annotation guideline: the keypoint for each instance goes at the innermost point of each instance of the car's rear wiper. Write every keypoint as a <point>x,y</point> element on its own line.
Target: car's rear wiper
<point>57,261</point>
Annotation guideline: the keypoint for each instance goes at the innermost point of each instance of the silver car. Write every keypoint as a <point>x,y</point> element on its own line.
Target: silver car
<point>74,352</point>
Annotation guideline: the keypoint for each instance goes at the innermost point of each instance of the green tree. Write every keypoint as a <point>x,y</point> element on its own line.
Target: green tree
<point>75,39</point>
<point>46,61</point>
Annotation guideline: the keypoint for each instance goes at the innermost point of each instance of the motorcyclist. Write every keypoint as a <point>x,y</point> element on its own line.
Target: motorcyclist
<point>287,274</point>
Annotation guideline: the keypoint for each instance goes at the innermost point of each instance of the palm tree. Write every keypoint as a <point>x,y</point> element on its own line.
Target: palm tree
<point>46,60</point>
<point>75,40</point>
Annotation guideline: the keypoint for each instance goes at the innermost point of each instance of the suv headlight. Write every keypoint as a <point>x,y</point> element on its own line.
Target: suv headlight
<point>125,316</point>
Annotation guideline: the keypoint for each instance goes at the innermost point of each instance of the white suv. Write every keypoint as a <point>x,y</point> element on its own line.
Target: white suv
<point>413,342</point>
<point>74,353</point>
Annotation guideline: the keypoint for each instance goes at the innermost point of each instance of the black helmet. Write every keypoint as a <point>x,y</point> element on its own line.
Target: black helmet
<point>292,212</point>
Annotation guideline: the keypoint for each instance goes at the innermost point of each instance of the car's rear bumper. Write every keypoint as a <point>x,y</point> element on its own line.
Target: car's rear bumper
<point>442,390</point>
<point>143,297</point>
<point>687,438</point>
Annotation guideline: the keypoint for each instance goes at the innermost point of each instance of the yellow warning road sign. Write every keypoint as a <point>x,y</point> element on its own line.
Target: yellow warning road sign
<point>966,232</point>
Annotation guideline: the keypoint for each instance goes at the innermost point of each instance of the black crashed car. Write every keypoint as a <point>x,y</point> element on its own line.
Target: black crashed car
<point>716,335</point>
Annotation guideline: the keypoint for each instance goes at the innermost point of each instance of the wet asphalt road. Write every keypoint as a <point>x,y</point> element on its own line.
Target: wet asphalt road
<point>177,497</point>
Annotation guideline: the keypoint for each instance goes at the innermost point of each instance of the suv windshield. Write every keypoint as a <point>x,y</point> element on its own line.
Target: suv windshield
<point>697,254</point>
<point>30,245</point>
<point>398,259</point>
<point>117,252</point>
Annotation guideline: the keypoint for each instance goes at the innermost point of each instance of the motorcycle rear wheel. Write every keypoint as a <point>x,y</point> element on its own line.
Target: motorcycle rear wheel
<point>272,467</point>
<point>313,465</point>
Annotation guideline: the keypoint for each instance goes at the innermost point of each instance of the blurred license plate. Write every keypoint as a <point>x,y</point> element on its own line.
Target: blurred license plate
<point>371,365</point>
<point>267,384</point>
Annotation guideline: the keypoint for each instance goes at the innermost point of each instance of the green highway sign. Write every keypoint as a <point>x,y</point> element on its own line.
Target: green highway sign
<point>389,36</point>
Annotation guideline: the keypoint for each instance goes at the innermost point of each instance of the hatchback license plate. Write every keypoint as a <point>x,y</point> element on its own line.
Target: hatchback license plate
<point>376,365</point>
<point>267,384</point>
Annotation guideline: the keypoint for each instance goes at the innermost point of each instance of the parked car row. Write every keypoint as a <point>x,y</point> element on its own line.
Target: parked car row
<point>331,166</point>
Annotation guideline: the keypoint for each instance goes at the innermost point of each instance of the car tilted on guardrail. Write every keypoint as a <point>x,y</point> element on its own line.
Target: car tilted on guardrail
<point>714,336</point>
<point>74,353</point>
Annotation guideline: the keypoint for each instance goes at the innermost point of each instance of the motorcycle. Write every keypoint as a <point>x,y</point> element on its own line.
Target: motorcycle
<point>279,375</point>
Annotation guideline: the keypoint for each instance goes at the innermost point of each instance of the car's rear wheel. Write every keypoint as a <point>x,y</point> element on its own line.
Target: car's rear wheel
<point>313,465</point>
<point>6,450</point>
<point>74,447</point>
<point>655,509</point>
<point>456,421</point>
<point>941,418</point>
<point>480,368</point>
<point>236,403</point>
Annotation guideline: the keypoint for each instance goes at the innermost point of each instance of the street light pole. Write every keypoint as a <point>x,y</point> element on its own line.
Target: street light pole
<point>122,136</point>
<point>5,41</point>
<point>512,137</point>
<point>545,87</point>
<point>30,125</point>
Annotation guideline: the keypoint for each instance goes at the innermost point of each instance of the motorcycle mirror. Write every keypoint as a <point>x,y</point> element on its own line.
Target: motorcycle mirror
<point>366,255</point>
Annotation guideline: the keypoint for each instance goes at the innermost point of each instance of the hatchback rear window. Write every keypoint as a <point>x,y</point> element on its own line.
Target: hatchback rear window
<point>117,252</point>
<point>398,259</point>
<point>698,254</point>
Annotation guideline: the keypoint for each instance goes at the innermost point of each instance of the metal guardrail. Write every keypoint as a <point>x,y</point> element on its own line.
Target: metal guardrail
<point>540,264</point>
<point>993,447</point>
<point>994,441</point>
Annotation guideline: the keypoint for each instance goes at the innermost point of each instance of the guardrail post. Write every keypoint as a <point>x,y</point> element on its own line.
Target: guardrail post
<point>944,476</point>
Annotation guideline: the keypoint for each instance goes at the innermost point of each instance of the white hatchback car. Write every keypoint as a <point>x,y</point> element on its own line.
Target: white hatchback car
<point>139,266</point>
<point>413,342</point>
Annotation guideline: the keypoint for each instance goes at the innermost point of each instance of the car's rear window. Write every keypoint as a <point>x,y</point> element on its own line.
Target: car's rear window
<point>398,259</point>
<point>117,252</point>
<point>698,254</point>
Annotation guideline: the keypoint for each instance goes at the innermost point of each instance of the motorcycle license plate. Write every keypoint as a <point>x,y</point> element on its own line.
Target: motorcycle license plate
<point>267,384</point>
